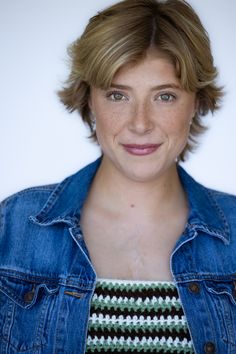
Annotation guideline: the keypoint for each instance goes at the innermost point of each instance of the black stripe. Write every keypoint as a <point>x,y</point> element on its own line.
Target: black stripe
<point>137,293</point>
<point>173,311</point>
<point>133,333</point>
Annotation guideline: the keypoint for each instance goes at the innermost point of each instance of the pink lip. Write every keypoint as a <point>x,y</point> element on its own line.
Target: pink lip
<point>141,150</point>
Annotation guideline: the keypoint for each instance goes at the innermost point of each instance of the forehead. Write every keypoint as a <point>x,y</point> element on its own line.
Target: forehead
<point>155,66</point>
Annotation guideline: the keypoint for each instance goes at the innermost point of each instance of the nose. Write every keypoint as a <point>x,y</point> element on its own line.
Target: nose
<point>141,121</point>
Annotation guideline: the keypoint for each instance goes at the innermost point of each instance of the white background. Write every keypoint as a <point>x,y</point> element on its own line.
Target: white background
<point>40,142</point>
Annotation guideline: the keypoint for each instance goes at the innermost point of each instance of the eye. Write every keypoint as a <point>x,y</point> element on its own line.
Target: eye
<point>166,97</point>
<point>116,96</point>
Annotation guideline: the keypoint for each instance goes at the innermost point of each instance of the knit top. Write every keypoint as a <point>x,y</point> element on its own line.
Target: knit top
<point>137,317</point>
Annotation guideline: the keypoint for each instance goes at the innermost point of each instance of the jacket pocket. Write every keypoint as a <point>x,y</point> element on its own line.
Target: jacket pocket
<point>25,311</point>
<point>223,297</point>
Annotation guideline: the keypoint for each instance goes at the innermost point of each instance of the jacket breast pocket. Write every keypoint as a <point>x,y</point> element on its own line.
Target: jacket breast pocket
<point>223,297</point>
<point>25,313</point>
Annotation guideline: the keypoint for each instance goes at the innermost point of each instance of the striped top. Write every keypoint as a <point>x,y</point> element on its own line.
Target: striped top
<point>137,317</point>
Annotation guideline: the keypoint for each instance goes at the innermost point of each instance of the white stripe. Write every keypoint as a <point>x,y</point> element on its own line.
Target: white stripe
<point>153,300</point>
<point>137,320</point>
<point>133,282</point>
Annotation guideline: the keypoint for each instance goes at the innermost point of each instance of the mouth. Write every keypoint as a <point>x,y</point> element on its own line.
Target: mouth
<point>141,149</point>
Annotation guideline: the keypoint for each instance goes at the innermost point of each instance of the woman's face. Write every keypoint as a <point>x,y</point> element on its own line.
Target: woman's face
<point>143,119</point>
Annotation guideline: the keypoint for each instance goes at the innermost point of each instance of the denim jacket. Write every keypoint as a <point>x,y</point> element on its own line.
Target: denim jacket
<point>47,279</point>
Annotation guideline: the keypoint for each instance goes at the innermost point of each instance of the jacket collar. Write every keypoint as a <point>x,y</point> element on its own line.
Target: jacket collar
<point>205,213</point>
<point>67,199</point>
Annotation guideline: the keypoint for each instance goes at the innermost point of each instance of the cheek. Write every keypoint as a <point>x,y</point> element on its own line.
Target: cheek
<point>110,122</point>
<point>178,126</point>
<point>107,128</point>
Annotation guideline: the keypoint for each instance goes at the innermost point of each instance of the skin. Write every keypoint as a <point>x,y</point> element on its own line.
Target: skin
<point>140,113</point>
<point>136,208</point>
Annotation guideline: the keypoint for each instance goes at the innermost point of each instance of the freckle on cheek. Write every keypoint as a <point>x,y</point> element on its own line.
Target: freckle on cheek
<point>132,205</point>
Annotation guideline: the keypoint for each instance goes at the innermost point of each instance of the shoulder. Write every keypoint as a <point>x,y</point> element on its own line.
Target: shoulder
<point>225,203</point>
<point>52,201</point>
<point>225,200</point>
<point>26,201</point>
<point>210,209</point>
<point>202,197</point>
<point>222,207</point>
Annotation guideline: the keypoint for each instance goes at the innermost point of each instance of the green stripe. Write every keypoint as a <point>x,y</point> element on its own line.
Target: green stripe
<point>138,327</point>
<point>134,286</point>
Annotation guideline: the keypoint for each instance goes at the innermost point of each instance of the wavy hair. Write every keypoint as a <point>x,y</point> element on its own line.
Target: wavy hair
<point>123,33</point>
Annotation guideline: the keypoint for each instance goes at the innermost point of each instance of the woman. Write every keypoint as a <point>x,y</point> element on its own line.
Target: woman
<point>130,254</point>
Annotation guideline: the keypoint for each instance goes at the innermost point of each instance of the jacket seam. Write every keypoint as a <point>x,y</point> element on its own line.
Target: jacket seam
<point>55,281</point>
<point>220,211</point>
<point>204,277</point>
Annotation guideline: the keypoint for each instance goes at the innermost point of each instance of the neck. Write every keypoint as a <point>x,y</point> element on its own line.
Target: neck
<point>117,193</point>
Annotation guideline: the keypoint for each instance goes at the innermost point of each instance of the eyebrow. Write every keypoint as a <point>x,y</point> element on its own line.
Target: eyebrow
<point>157,87</point>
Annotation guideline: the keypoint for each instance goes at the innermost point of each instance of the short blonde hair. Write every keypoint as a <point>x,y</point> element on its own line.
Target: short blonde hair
<point>123,33</point>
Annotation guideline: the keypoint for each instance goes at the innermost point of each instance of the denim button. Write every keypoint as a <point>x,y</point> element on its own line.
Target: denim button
<point>209,348</point>
<point>194,288</point>
<point>28,297</point>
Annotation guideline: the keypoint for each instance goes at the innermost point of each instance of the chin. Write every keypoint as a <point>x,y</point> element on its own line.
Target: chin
<point>142,175</point>
<point>148,172</point>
